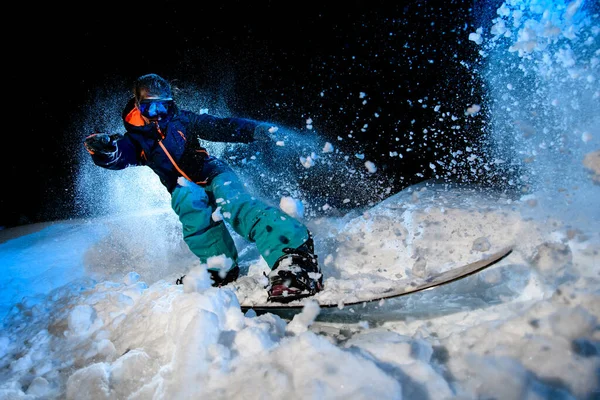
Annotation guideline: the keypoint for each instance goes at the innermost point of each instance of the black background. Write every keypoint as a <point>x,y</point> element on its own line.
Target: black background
<point>268,60</point>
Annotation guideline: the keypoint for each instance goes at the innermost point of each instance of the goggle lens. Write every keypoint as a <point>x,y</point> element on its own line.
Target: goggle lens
<point>155,108</point>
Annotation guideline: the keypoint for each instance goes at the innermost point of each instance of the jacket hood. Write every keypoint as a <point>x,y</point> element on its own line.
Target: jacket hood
<point>131,115</point>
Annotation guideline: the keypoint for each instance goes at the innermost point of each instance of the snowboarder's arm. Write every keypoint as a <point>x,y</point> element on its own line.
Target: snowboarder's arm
<point>236,130</point>
<point>112,151</point>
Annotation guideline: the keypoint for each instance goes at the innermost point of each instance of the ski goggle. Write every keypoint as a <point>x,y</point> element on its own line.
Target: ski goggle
<point>152,108</point>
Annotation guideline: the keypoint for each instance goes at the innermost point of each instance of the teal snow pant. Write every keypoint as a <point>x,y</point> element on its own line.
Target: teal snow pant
<point>268,227</point>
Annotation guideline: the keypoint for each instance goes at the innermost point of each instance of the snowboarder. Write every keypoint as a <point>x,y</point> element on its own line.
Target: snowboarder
<point>160,135</point>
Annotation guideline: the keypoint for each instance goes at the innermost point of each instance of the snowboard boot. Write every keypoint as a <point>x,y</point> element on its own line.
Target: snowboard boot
<point>295,275</point>
<point>218,281</point>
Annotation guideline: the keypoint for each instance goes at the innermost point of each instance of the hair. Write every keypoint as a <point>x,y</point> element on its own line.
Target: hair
<point>155,85</point>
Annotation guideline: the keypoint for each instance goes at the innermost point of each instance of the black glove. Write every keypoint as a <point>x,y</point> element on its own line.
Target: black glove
<point>265,131</point>
<point>101,143</point>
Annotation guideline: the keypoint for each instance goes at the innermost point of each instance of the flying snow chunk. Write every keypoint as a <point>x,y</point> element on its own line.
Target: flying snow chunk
<point>372,168</point>
<point>499,28</point>
<point>309,123</point>
<point>474,109</point>
<point>292,207</point>
<point>476,36</point>
<point>328,148</point>
<point>307,161</point>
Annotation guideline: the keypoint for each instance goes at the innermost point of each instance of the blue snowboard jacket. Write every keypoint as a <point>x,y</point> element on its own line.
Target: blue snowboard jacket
<point>172,148</point>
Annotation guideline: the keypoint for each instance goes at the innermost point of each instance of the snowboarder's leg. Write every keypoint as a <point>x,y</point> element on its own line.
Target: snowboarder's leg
<point>284,242</point>
<point>204,236</point>
<point>270,228</point>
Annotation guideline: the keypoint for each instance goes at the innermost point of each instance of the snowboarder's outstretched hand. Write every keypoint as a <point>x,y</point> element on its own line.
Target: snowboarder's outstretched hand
<point>264,132</point>
<point>100,143</point>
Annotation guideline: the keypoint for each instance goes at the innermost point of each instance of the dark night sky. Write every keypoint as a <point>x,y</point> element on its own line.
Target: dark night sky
<point>257,53</point>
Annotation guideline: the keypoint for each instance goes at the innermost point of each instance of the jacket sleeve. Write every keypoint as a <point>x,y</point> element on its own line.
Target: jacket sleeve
<point>215,129</point>
<point>124,156</point>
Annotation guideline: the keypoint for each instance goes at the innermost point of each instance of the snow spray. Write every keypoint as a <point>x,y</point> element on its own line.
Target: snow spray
<point>541,61</point>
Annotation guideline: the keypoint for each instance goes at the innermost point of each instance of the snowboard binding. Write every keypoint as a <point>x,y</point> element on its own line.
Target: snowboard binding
<point>295,275</point>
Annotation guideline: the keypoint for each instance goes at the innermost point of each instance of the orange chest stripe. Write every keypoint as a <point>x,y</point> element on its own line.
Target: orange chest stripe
<point>177,166</point>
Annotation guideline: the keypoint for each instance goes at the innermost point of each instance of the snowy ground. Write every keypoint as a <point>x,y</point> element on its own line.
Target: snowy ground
<point>525,328</point>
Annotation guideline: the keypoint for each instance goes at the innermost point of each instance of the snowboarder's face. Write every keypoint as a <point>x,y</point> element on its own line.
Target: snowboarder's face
<point>154,108</point>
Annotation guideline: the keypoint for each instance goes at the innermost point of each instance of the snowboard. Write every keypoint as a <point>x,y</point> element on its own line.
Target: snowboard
<point>287,310</point>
